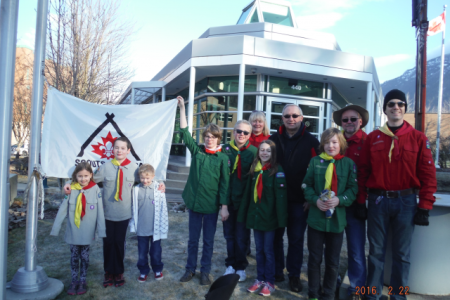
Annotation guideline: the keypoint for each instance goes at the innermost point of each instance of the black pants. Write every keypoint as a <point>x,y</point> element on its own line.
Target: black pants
<point>79,253</point>
<point>114,246</point>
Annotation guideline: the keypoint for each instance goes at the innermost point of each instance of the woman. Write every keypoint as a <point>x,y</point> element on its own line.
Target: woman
<point>260,130</point>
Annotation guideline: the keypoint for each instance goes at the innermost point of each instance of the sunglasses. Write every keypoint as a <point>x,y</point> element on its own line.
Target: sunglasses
<point>238,131</point>
<point>353,120</point>
<point>293,116</point>
<point>400,104</point>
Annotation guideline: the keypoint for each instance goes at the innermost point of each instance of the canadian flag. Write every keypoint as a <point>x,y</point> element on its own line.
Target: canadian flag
<point>436,25</point>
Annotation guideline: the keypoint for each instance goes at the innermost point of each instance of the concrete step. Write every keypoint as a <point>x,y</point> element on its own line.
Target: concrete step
<point>174,190</point>
<point>177,176</point>
<point>177,167</point>
<point>170,183</point>
<point>174,198</point>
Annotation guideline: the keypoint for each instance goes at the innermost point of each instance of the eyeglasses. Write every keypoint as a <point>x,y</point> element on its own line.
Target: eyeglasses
<point>210,137</point>
<point>400,104</point>
<point>293,116</point>
<point>238,131</point>
<point>353,120</point>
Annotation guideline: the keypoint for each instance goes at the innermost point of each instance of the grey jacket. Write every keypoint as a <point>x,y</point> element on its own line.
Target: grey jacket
<point>107,173</point>
<point>92,220</point>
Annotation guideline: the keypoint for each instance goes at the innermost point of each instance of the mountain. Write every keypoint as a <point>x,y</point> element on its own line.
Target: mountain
<point>407,84</point>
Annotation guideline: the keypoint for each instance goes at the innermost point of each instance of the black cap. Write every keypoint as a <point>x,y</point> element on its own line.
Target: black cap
<point>394,94</point>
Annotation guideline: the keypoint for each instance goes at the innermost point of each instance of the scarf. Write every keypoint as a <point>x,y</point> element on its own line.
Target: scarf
<point>80,209</point>
<point>394,145</point>
<point>213,151</point>
<point>237,162</point>
<point>256,140</point>
<point>331,179</point>
<point>257,193</point>
<point>119,177</point>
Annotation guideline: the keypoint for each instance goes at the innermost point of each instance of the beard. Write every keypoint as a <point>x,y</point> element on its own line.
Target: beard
<point>350,130</point>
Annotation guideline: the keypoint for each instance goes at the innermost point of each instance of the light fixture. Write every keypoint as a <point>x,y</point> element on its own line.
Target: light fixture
<point>352,87</point>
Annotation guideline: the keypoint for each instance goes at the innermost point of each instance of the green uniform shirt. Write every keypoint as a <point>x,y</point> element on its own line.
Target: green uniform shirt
<point>236,188</point>
<point>314,184</point>
<point>207,184</point>
<point>269,212</point>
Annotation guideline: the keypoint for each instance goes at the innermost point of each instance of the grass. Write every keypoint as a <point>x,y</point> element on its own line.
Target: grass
<point>53,255</point>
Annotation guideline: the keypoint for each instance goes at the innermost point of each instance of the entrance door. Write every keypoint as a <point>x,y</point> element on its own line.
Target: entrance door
<point>313,114</point>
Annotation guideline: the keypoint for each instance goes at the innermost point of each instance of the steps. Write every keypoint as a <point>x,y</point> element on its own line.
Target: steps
<point>177,175</point>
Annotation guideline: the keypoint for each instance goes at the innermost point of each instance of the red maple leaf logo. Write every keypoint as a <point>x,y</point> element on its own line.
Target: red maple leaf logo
<point>105,150</point>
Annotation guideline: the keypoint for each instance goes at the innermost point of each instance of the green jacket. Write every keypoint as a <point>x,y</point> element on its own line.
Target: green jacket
<point>236,188</point>
<point>270,212</point>
<point>207,184</point>
<point>313,185</point>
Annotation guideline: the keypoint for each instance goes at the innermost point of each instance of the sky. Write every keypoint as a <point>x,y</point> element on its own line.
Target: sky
<point>378,28</point>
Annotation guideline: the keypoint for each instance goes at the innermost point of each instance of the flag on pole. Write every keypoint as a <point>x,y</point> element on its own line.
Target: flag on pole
<point>436,25</point>
<point>75,131</point>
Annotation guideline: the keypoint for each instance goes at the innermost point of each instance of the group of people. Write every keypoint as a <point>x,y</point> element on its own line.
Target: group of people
<point>288,181</point>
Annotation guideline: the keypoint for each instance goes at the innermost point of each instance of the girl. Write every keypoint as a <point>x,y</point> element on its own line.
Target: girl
<point>260,130</point>
<point>330,183</point>
<point>264,211</point>
<point>84,208</point>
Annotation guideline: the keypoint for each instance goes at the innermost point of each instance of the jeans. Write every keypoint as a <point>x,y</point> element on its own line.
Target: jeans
<point>265,260</point>
<point>236,235</point>
<point>397,213</point>
<point>356,240</point>
<point>155,254</point>
<point>333,244</point>
<point>114,246</point>
<point>296,234</point>
<point>209,224</point>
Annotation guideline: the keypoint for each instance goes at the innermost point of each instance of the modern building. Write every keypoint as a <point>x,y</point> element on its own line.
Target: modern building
<point>262,63</point>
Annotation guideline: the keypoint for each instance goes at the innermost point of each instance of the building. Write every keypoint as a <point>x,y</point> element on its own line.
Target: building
<point>262,63</point>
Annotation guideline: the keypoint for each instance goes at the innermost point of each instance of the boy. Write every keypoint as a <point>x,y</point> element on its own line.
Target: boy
<point>150,209</point>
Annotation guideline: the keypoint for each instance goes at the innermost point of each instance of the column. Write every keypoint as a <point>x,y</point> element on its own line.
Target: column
<point>190,112</point>
<point>163,94</point>
<point>240,108</point>
<point>369,107</point>
<point>329,105</point>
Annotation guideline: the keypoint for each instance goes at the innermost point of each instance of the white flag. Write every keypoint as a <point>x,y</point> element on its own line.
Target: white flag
<point>75,131</point>
<point>436,25</point>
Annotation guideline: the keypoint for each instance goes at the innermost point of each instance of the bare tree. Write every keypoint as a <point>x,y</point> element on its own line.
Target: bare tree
<point>87,50</point>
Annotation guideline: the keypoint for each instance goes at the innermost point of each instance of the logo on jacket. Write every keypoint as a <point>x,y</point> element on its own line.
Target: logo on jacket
<point>428,144</point>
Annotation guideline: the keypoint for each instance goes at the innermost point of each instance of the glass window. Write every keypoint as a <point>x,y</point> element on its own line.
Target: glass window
<point>255,18</point>
<point>279,85</point>
<point>179,150</point>
<point>310,110</point>
<point>276,122</point>
<point>219,103</point>
<point>244,15</point>
<point>337,98</point>
<point>277,14</point>
<point>312,125</point>
<point>201,87</point>
<point>249,103</point>
<point>230,84</point>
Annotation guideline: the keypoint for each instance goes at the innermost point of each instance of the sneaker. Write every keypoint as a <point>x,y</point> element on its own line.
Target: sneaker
<point>242,275</point>
<point>159,276</point>
<point>204,279</point>
<point>82,288</point>
<point>187,276</point>
<point>229,270</point>
<point>142,278</point>
<point>119,280</point>
<point>73,287</point>
<point>109,280</point>
<point>256,285</point>
<point>267,289</point>
<point>295,284</point>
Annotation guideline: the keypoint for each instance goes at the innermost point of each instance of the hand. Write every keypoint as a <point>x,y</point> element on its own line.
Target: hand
<point>180,102</point>
<point>421,217</point>
<point>224,213</point>
<point>321,205</point>
<point>67,189</point>
<point>306,206</point>
<point>333,202</point>
<point>162,187</point>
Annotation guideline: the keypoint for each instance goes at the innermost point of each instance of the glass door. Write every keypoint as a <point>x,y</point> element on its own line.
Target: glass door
<point>313,114</point>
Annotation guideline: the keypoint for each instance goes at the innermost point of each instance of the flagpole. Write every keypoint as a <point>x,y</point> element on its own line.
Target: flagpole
<point>441,83</point>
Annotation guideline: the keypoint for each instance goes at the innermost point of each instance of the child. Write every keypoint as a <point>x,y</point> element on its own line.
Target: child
<point>333,172</point>
<point>265,210</point>
<point>84,209</point>
<point>205,190</point>
<point>150,209</point>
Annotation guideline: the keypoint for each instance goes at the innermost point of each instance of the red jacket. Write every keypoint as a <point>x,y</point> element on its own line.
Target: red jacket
<point>256,140</point>
<point>355,144</point>
<point>414,169</point>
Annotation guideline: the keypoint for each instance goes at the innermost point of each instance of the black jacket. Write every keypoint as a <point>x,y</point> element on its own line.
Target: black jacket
<point>294,154</point>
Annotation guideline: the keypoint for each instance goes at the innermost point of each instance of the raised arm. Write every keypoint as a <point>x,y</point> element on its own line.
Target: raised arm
<point>183,121</point>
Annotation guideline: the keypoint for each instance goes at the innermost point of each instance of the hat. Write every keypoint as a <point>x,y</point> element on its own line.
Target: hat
<point>223,287</point>
<point>395,94</point>
<point>337,115</point>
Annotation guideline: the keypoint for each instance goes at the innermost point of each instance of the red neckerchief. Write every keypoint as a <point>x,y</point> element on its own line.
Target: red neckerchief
<point>355,138</point>
<point>83,198</point>
<point>259,188</point>
<point>124,163</point>
<point>334,181</point>
<point>406,128</point>
<point>239,167</point>
<point>213,151</point>
<point>256,140</point>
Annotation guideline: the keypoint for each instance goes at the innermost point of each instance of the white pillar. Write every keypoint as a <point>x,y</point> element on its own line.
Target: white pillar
<point>163,94</point>
<point>329,106</point>
<point>240,106</point>
<point>190,112</point>
<point>369,107</point>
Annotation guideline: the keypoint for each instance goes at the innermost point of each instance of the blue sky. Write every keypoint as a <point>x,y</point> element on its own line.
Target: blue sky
<point>378,28</point>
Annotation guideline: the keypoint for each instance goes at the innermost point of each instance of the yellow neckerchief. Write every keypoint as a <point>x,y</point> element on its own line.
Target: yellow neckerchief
<point>385,129</point>
<point>238,157</point>
<point>258,168</point>
<point>119,182</point>
<point>329,171</point>
<point>79,206</point>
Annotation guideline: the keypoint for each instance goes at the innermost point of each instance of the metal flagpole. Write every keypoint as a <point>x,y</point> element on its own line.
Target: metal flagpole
<point>8,34</point>
<point>441,84</point>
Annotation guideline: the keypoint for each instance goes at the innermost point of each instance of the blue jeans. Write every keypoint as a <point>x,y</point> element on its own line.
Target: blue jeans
<point>397,213</point>
<point>265,260</point>
<point>333,244</point>
<point>296,235</point>
<point>236,235</point>
<point>155,254</point>
<point>356,240</point>
<point>209,224</point>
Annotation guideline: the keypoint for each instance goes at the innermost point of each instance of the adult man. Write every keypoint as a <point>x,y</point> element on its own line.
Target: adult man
<point>295,148</point>
<point>241,155</point>
<point>352,119</point>
<point>396,161</point>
